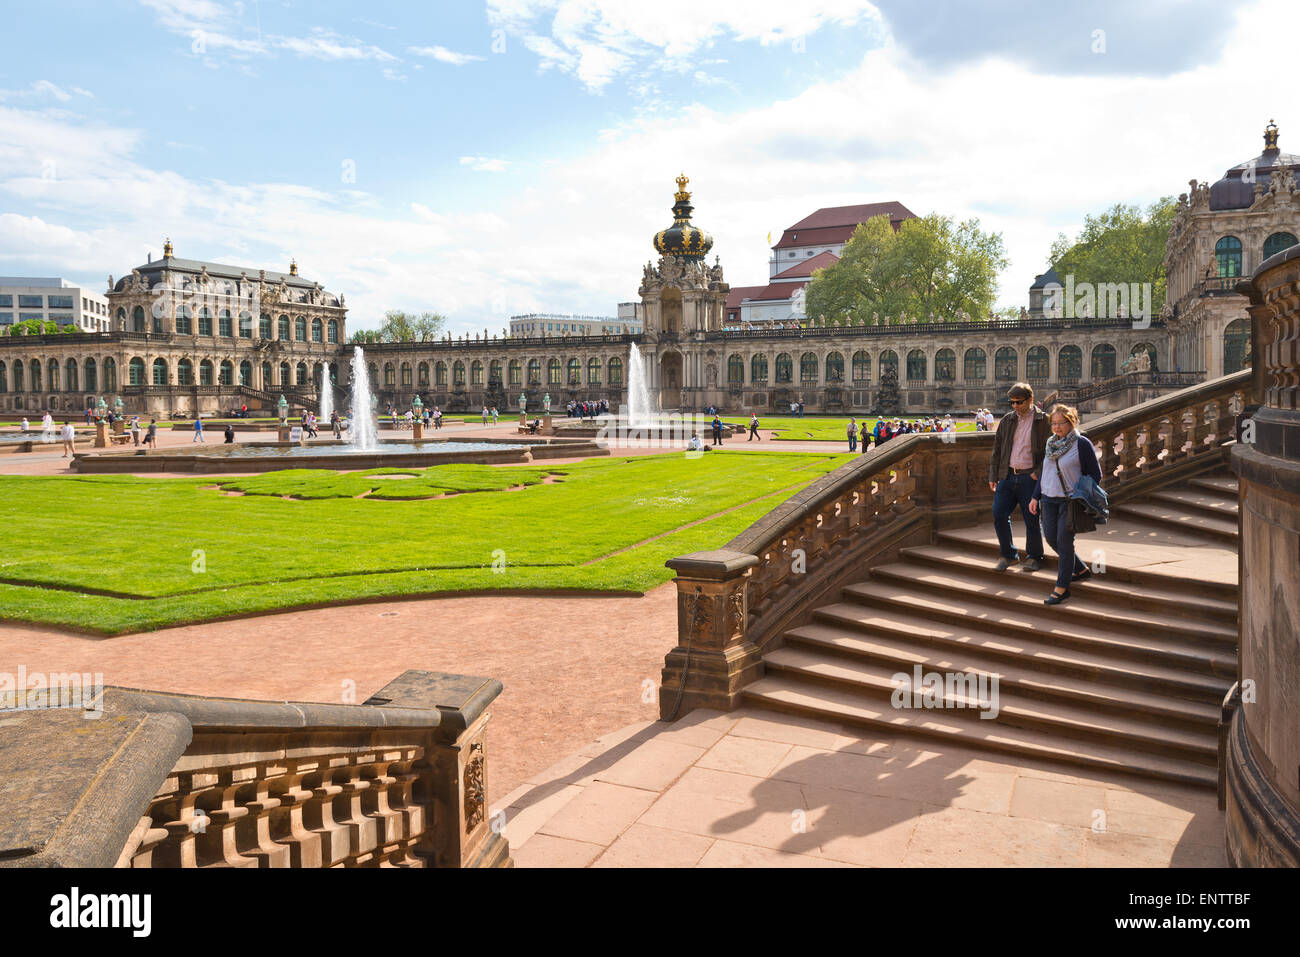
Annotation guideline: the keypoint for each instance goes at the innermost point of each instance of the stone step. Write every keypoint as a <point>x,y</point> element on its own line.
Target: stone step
<point>1155,514</point>
<point>929,636</point>
<point>1196,502</point>
<point>982,541</point>
<point>1164,595</point>
<point>792,695</point>
<point>1041,625</point>
<point>1057,713</point>
<point>1224,486</point>
<point>1027,597</point>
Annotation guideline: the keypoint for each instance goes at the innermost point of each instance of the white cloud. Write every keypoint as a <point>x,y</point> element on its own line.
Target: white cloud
<point>324,44</point>
<point>443,55</point>
<point>484,164</point>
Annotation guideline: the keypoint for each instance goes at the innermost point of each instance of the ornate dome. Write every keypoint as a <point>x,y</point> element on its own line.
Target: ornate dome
<point>1237,188</point>
<point>681,238</point>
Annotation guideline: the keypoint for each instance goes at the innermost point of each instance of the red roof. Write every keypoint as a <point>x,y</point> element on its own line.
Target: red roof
<point>805,268</point>
<point>775,292</point>
<point>741,292</point>
<point>835,224</point>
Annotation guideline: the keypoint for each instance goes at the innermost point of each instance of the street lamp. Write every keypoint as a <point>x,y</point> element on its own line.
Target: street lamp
<point>417,405</point>
<point>283,407</point>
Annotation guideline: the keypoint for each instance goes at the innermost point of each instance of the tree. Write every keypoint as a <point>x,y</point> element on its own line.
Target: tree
<point>401,326</point>
<point>364,337</point>
<point>931,265</point>
<point>1122,245</point>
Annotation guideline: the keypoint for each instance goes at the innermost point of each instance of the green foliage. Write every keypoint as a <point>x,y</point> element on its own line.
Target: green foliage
<point>816,429</point>
<point>1122,245</point>
<point>931,265</point>
<point>39,327</point>
<point>401,326</point>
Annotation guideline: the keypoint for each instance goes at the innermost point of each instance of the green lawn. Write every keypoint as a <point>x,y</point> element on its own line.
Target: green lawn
<point>112,554</point>
<point>819,428</point>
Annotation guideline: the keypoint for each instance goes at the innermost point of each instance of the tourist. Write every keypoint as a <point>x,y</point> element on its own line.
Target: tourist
<point>695,445</point>
<point>853,435</point>
<point>437,417</point>
<point>151,437</point>
<point>135,430</point>
<point>485,415</point>
<point>47,428</point>
<point>26,426</point>
<point>336,424</point>
<point>494,415</point>
<point>198,429</point>
<point>753,427</point>
<point>230,434</point>
<point>1014,468</point>
<point>717,430</point>
<point>866,437</point>
<point>1069,456</point>
<point>68,436</point>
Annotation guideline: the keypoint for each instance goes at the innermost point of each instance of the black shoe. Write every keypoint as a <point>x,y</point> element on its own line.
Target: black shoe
<point>1082,576</point>
<point>1004,563</point>
<point>1055,599</point>
<point>1031,564</point>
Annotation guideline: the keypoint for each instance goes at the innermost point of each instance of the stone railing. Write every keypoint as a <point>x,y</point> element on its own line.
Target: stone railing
<point>399,781</point>
<point>734,603</point>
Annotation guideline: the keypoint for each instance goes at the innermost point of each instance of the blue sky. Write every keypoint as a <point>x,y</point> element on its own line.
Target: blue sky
<point>486,159</point>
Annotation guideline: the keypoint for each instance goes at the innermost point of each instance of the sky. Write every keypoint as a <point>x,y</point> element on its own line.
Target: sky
<point>487,158</point>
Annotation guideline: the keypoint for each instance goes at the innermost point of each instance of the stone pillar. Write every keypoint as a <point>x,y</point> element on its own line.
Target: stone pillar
<point>417,430</point>
<point>546,424</point>
<point>101,434</point>
<point>1261,777</point>
<point>713,660</point>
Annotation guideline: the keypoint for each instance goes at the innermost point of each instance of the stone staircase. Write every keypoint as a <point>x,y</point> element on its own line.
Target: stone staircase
<point>1129,674</point>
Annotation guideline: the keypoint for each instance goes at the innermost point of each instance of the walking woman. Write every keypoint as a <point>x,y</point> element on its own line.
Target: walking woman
<point>1069,455</point>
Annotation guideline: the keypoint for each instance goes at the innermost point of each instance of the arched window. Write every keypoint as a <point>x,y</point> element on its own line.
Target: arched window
<point>205,372</point>
<point>53,366</point>
<point>758,368</point>
<point>134,372</point>
<point>1236,346</point>
<point>945,365</point>
<point>974,365</point>
<point>110,374</point>
<point>18,375</point>
<point>264,326</point>
<point>861,366</point>
<point>184,372</point>
<point>283,323</point>
<point>91,378</point>
<point>736,370</point>
<point>224,326</point>
<point>458,374</point>
<point>916,365</point>
<point>889,360</point>
<point>184,321</point>
<point>246,373</point>
<point>317,375</point>
<point>1227,254</point>
<point>156,322</point>
<point>372,373</point>
<point>121,319</point>
<point>70,375</point>
<point>245,326</point>
<point>616,371</point>
<point>575,371</point>
<point>515,372</point>
<point>553,372</point>
<point>1037,363</point>
<point>593,371</point>
<point>317,330</point>
<point>1278,242</point>
<point>1103,361</point>
<point>332,330</point>
<point>784,367</point>
<point>302,373</point>
<point>266,375</point>
<point>534,371</point>
<point>390,375</point>
<point>494,371</point>
<point>228,373</point>
<point>406,374</point>
<point>1069,364</point>
<point>834,367</point>
<point>300,328</point>
<point>159,371</point>
<point>440,374</point>
<point>1006,364</point>
<point>4,381</point>
<point>137,319</point>
<point>808,367</point>
<point>422,373</point>
<point>205,322</point>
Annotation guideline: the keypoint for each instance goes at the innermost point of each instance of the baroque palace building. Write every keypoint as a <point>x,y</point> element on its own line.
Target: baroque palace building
<point>193,336</point>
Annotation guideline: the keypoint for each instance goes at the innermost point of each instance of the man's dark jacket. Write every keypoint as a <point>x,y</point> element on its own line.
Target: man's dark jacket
<point>1000,461</point>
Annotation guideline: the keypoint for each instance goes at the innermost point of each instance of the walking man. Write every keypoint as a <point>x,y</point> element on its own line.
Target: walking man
<point>853,434</point>
<point>198,430</point>
<point>753,427</point>
<point>1014,468</point>
<point>717,431</point>
<point>68,436</point>
<point>151,437</point>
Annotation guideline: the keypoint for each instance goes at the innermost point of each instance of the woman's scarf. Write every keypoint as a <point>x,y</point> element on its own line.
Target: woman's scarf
<point>1059,445</point>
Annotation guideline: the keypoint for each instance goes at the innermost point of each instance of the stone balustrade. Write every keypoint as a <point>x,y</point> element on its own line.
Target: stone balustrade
<point>400,781</point>
<point>735,602</point>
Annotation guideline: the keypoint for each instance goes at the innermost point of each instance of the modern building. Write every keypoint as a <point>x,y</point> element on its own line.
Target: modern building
<point>537,324</point>
<point>51,300</point>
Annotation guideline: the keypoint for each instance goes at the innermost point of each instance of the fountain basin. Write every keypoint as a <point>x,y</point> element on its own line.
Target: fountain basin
<point>333,454</point>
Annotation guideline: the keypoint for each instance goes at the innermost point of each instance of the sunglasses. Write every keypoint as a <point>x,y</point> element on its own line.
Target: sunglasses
<point>1017,401</point>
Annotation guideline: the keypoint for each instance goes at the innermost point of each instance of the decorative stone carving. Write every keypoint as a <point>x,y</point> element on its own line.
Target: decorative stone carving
<point>475,787</point>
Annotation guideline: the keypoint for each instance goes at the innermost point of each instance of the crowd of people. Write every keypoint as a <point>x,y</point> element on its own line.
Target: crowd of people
<point>587,410</point>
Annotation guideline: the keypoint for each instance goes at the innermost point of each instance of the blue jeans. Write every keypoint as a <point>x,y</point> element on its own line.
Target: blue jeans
<point>1012,491</point>
<point>853,442</point>
<point>1056,515</point>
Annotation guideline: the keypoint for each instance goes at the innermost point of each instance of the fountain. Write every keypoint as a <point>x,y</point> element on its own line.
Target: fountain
<point>639,410</point>
<point>362,429</point>
<point>326,396</point>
